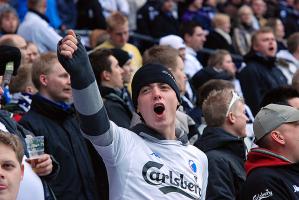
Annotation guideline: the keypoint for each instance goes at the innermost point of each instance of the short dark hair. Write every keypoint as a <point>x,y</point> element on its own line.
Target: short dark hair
<point>279,95</point>
<point>188,28</point>
<point>100,62</point>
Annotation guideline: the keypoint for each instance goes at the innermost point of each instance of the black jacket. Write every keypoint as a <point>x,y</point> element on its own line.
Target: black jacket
<point>216,41</point>
<point>226,156</point>
<point>258,77</point>
<point>117,109</point>
<point>64,141</point>
<point>270,177</point>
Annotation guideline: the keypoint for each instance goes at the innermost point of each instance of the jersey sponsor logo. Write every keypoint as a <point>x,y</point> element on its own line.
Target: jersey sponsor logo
<point>192,166</point>
<point>263,195</point>
<point>169,181</point>
<point>296,188</point>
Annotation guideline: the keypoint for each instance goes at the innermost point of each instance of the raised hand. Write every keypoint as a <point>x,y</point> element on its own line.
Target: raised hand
<point>68,44</point>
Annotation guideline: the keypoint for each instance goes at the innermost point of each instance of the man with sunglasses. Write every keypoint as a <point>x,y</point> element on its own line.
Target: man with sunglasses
<point>222,141</point>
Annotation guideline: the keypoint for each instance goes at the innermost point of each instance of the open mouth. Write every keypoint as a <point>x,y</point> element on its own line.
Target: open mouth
<point>159,108</point>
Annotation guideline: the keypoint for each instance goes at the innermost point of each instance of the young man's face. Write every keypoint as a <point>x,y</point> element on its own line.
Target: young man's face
<point>157,103</point>
<point>11,173</point>
<point>115,77</point>
<point>128,70</point>
<point>10,23</point>
<point>180,76</point>
<point>196,41</point>
<point>241,119</point>
<point>228,65</point>
<point>57,84</point>
<point>119,36</point>
<point>32,53</point>
<point>266,44</point>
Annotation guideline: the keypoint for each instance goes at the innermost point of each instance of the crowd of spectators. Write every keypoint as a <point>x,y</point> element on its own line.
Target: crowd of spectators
<point>235,68</point>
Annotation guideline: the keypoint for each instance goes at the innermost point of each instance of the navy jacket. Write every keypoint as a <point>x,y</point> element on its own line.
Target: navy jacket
<point>63,140</point>
<point>226,156</point>
<point>258,77</point>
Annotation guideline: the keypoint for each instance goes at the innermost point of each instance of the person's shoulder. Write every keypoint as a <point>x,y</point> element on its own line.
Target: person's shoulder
<point>130,47</point>
<point>197,152</point>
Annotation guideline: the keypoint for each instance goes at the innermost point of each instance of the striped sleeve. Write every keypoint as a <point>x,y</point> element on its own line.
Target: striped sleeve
<point>94,121</point>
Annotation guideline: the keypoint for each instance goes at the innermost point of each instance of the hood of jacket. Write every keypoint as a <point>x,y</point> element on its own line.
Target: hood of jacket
<point>257,57</point>
<point>217,138</point>
<point>259,157</point>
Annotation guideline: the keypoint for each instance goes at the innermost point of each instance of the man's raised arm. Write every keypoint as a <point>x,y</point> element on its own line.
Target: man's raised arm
<point>94,121</point>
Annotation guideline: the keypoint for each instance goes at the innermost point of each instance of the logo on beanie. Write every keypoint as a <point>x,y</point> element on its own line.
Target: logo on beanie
<point>170,181</point>
<point>168,74</point>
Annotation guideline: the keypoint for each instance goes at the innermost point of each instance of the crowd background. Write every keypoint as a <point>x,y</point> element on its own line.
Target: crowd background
<point>249,46</point>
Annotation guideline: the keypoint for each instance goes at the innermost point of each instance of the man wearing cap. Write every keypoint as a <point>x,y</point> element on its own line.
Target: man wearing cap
<point>155,163</point>
<point>273,169</point>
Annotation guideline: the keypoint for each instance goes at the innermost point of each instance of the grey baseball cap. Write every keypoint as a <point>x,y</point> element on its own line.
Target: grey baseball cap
<point>272,116</point>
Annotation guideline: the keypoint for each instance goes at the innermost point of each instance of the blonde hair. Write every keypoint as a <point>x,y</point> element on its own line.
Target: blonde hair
<point>42,66</point>
<point>116,19</point>
<point>219,19</point>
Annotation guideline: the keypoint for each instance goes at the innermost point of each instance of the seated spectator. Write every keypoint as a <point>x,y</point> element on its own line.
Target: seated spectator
<point>290,17</point>
<point>12,169</point>
<point>193,13</point>
<point>289,59</point>
<point>52,116</point>
<point>260,73</point>
<point>118,30</point>
<point>35,27</point>
<point>278,30</point>
<point>259,9</point>
<point>9,21</point>
<point>272,168</point>
<point>33,53</point>
<point>165,23</point>
<point>219,37</point>
<point>109,76</point>
<point>21,89</point>
<point>125,62</point>
<point>222,141</point>
<point>194,37</point>
<point>242,33</point>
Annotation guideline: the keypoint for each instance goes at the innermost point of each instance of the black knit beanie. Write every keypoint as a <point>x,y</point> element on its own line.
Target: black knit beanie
<point>9,54</point>
<point>121,56</point>
<point>152,73</point>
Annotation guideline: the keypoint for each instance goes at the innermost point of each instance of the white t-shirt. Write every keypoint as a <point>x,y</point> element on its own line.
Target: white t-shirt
<point>31,186</point>
<point>143,167</point>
